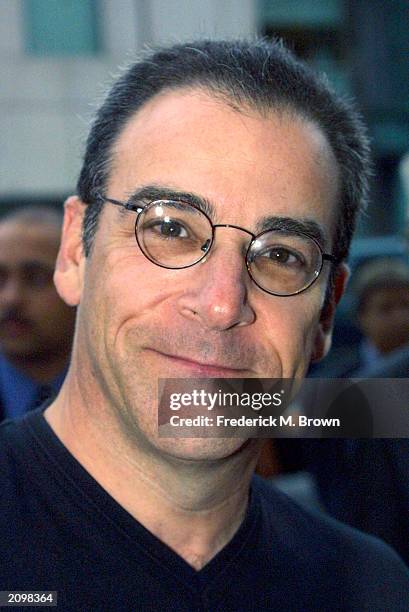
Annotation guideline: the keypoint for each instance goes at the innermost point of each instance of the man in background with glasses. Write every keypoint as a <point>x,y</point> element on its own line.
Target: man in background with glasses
<point>214,212</point>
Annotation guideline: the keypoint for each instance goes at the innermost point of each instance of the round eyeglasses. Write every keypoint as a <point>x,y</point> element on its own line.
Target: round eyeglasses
<point>175,234</point>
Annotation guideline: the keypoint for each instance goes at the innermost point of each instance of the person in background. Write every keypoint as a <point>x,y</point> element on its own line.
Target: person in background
<point>362,482</point>
<point>382,290</point>
<point>36,326</point>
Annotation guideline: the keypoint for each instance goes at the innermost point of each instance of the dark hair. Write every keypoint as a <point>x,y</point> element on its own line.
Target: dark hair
<point>260,74</point>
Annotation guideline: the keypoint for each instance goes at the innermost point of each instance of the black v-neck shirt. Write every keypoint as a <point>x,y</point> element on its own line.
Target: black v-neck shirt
<point>61,531</point>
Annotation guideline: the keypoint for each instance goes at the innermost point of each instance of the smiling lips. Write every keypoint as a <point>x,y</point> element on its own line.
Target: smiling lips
<point>210,370</point>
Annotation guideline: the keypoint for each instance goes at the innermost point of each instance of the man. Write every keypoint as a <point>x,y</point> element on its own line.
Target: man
<point>381,292</point>
<point>219,181</point>
<point>382,289</point>
<point>36,326</point>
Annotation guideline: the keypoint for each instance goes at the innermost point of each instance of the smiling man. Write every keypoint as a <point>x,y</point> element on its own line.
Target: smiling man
<point>214,211</point>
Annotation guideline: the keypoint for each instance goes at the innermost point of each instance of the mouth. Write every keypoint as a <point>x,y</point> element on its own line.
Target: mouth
<point>207,370</point>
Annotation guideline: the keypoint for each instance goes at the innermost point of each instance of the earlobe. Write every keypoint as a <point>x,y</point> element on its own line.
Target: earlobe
<point>323,338</point>
<point>69,270</point>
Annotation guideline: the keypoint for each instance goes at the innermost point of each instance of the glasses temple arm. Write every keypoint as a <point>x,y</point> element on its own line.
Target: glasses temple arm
<point>127,205</point>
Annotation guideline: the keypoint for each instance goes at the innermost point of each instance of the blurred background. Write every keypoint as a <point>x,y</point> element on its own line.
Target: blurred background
<point>59,56</point>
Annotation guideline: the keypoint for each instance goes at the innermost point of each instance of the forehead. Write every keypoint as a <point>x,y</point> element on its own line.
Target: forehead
<point>20,243</point>
<point>248,164</point>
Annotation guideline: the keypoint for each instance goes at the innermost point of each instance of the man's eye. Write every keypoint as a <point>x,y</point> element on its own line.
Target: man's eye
<point>168,229</point>
<point>283,256</point>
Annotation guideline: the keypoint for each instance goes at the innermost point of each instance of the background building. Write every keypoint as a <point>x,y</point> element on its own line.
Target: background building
<point>58,56</point>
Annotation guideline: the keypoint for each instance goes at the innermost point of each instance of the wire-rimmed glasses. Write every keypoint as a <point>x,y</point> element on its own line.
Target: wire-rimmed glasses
<point>174,234</point>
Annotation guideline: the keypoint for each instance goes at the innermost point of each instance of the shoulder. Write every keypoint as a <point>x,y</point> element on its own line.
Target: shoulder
<point>14,448</point>
<point>19,457</point>
<point>13,436</point>
<point>10,439</point>
<point>361,565</point>
<point>315,527</point>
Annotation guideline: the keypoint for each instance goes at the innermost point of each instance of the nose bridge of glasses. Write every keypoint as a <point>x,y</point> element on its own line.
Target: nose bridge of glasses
<point>236,227</point>
<point>245,247</point>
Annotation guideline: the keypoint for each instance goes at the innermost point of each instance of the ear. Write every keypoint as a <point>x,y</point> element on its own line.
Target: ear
<point>69,270</point>
<point>323,338</point>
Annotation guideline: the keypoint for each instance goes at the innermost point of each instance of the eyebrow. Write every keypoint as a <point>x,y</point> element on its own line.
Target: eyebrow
<point>299,226</point>
<point>149,193</point>
<point>310,227</point>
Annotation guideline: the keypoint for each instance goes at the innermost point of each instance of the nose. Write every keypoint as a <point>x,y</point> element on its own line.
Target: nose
<point>217,296</point>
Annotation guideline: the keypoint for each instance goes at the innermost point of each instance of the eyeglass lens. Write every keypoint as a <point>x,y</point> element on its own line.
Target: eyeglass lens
<point>178,235</point>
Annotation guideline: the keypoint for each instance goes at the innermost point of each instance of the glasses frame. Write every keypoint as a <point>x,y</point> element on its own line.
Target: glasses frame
<point>138,208</point>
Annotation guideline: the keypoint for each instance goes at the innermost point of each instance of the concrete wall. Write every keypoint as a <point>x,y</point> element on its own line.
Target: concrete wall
<point>46,103</point>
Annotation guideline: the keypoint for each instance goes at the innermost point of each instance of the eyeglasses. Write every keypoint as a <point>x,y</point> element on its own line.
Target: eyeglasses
<point>176,235</point>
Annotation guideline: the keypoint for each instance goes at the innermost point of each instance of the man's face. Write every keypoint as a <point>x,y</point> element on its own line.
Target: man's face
<point>139,322</point>
<point>385,317</point>
<point>34,321</point>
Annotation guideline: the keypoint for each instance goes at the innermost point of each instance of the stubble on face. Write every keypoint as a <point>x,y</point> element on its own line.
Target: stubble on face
<point>128,358</point>
<point>137,312</point>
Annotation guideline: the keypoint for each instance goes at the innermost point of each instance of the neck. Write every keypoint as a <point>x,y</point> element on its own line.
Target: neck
<point>193,506</point>
<point>40,369</point>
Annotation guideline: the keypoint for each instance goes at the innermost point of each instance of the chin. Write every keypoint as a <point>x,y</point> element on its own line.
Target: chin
<point>200,449</point>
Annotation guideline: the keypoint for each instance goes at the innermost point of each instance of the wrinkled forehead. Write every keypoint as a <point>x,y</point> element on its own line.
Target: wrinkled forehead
<point>246,162</point>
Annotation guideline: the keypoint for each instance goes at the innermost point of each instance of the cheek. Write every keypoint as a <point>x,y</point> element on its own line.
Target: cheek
<point>127,296</point>
<point>125,290</point>
<point>292,327</point>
